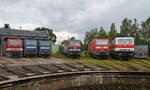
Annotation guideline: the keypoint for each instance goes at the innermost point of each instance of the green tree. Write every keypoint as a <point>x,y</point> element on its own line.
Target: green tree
<point>145,30</point>
<point>52,36</point>
<point>102,33</point>
<point>126,28</point>
<point>113,32</point>
<point>135,32</point>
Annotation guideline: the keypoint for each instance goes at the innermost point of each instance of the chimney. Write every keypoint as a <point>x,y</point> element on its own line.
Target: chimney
<point>6,26</point>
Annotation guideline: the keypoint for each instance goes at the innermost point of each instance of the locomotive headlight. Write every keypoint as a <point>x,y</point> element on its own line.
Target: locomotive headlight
<point>105,47</point>
<point>79,49</point>
<point>9,49</point>
<point>21,49</point>
<point>74,49</point>
<point>98,47</point>
<point>70,49</point>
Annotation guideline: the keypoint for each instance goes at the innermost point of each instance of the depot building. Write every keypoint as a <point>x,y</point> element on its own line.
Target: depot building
<point>6,32</point>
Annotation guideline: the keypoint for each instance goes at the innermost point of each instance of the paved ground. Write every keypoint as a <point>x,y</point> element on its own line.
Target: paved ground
<point>28,61</point>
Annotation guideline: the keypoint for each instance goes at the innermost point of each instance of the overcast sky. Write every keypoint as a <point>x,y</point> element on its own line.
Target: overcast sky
<point>71,17</point>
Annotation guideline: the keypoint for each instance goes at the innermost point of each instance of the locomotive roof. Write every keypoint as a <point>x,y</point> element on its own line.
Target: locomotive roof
<point>73,40</point>
<point>123,37</point>
<point>24,33</point>
<point>68,40</point>
<point>101,39</point>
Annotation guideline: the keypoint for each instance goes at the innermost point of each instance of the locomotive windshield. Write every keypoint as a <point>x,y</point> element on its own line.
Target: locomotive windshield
<point>101,42</point>
<point>15,42</point>
<point>125,41</point>
<point>31,42</point>
<point>74,43</point>
<point>45,43</point>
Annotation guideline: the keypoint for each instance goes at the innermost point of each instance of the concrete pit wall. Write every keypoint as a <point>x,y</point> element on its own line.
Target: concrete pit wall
<point>86,82</point>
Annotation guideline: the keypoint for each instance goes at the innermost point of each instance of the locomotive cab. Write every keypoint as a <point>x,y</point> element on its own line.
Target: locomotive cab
<point>30,48</point>
<point>102,48</point>
<point>44,48</point>
<point>74,48</point>
<point>14,47</point>
<point>99,48</point>
<point>123,48</point>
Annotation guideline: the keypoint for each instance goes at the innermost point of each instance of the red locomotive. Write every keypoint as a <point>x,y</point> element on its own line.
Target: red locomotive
<point>122,48</point>
<point>14,47</point>
<point>99,48</point>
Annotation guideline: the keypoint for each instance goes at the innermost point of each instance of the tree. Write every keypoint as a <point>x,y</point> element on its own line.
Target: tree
<point>113,32</point>
<point>102,33</point>
<point>135,32</point>
<point>52,36</point>
<point>126,28</point>
<point>145,30</point>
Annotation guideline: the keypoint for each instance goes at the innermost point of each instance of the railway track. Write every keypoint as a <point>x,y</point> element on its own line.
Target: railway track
<point>11,72</point>
<point>10,83</point>
<point>12,75</point>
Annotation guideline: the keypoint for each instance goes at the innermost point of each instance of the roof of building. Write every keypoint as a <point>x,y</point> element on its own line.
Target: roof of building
<point>23,33</point>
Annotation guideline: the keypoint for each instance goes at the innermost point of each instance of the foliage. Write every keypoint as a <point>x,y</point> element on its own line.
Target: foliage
<point>52,36</point>
<point>102,33</point>
<point>113,32</point>
<point>126,28</point>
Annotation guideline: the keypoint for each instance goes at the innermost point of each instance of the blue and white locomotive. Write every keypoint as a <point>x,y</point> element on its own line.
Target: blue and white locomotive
<point>30,48</point>
<point>44,48</point>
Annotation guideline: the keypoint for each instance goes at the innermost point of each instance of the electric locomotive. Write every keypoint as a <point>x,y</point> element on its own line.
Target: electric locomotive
<point>71,48</point>
<point>30,48</point>
<point>122,48</point>
<point>141,51</point>
<point>44,48</point>
<point>99,48</point>
<point>14,47</point>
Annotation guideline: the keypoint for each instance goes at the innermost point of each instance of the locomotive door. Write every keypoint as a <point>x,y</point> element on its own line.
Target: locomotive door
<point>0,45</point>
<point>2,48</point>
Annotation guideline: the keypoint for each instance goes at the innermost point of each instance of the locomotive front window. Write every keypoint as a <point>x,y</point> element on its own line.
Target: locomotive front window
<point>45,43</point>
<point>15,42</point>
<point>125,41</point>
<point>32,42</point>
<point>74,43</point>
<point>101,42</point>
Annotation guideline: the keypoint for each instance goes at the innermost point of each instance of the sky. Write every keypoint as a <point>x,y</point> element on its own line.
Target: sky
<point>71,17</point>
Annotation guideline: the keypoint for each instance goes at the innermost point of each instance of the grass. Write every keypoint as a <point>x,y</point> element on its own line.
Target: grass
<point>109,63</point>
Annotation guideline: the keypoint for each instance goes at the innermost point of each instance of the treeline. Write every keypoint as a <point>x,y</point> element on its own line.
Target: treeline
<point>128,28</point>
<point>51,34</point>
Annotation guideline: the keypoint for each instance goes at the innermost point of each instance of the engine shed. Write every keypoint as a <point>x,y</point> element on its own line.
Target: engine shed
<point>22,34</point>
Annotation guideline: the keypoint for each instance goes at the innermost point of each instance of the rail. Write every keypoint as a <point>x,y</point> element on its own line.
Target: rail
<point>9,83</point>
